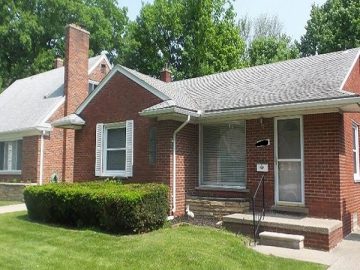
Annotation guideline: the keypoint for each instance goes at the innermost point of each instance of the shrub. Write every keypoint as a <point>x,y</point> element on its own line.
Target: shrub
<point>110,206</point>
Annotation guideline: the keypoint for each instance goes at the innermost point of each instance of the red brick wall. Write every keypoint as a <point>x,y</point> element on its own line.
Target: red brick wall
<point>321,161</point>
<point>350,190</point>
<point>258,129</point>
<point>321,164</point>
<point>54,150</point>
<point>120,100</point>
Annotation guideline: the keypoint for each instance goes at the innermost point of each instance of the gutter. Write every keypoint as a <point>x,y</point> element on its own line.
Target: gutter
<point>318,104</point>
<point>174,164</point>
<point>262,109</point>
<point>41,158</point>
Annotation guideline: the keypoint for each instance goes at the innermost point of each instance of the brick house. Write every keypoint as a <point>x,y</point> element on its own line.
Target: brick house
<point>30,149</point>
<point>199,136</point>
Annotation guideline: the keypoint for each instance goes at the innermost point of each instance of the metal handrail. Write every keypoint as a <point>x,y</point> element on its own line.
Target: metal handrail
<point>258,216</point>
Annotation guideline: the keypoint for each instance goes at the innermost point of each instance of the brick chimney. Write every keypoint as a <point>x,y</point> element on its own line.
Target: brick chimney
<point>58,62</point>
<point>165,75</point>
<point>75,88</point>
<point>76,67</point>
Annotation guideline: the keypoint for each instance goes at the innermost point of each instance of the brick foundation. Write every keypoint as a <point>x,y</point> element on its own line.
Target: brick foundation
<point>312,240</point>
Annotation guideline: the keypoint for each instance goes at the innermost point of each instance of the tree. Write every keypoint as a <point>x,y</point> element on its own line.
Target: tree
<point>332,27</point>
<point>265,50</point>
<point>32,32</point>
<point>266,42</point>
<point>195,37</point>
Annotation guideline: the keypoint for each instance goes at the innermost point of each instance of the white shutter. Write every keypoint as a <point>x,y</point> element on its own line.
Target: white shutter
<point>99,149</point>
<point>129,148</point>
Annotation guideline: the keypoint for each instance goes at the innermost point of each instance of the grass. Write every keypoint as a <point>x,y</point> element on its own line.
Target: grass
<point>5,203</point>
<point>28,245</point>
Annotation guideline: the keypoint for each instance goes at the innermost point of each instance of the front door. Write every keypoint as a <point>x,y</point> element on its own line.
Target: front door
<point>289,178</point>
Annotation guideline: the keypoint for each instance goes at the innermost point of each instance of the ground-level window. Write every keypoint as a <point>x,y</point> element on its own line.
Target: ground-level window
<point>223,154</point>
<point>11,156</point>
<point>114,149</point>
<point>355,132</point>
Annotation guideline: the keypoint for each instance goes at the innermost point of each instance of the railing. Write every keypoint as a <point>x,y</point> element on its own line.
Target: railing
<point>258,215</point>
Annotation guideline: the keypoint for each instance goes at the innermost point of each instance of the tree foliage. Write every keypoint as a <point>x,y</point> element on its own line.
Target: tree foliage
<point>266,50</point>
<point>32,32</point>
<point>195,37</point>
<point>332,27</point>
<point>266,41</point>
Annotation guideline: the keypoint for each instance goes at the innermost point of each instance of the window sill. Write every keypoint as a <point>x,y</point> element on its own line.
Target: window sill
<point>121,174</point>
<point>356,178</point>
<point>10,172</point>
<point>223,188</point>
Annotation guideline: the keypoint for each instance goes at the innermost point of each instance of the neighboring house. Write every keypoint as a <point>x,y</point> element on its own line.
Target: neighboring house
<point>199,137</point>
<point>30,149</point>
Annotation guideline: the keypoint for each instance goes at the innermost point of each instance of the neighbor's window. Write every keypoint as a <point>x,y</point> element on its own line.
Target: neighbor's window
<point>92,86</point>
<point>114,149</point>
<point>152,145</point>
<point>223,155</point>
<point>11,156</point>
<point>355,130</point>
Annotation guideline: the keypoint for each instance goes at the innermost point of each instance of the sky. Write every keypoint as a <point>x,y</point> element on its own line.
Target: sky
<point>293,14</point>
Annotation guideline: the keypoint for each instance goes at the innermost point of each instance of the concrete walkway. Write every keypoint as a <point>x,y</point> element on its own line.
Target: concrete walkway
<point>344,256</point>
<point>12,208</point>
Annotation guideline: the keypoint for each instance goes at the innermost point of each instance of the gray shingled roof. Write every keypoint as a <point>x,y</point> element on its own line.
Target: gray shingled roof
<point>29,102</point>
<point>301,80</point>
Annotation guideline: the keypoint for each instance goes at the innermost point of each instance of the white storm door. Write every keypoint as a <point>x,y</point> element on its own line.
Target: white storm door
<point>289,161</point>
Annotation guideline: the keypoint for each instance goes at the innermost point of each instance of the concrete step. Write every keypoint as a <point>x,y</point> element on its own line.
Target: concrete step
<point>284,240</point>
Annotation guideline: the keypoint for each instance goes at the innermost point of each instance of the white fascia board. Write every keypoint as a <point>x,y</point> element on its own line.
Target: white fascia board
<point>19,134</point>
<point>350,70</point>
<point>281,108</point>
<point>155,113</point>
<point>339,104</point>
<point>123,71</point>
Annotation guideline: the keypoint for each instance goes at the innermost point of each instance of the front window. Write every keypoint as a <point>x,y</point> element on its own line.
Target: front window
<point>115,148</point>
<point>10,156</point>
<point>355,131</point>
<point>223,154</point>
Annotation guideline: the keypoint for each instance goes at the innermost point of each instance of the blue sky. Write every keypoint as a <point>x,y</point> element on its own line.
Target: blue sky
<point>292,13</point>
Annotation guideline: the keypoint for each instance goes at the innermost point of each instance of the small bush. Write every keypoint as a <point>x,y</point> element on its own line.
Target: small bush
<point>110,206</point>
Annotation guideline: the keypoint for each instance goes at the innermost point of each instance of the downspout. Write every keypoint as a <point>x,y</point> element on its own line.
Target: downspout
<point>41,158</point>
<point>174,164</point>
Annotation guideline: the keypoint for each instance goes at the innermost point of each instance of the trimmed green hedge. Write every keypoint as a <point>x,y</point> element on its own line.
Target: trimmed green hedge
<point>113,207</point>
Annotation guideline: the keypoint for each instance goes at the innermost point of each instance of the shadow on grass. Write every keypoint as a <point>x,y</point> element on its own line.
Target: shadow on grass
<point>26,218</point>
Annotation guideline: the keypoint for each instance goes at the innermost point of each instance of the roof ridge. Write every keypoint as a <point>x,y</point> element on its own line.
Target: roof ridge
<point>54,69</point>
<point>266,65</point>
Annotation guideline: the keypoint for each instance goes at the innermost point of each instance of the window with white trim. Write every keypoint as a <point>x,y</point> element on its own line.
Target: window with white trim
<point>355,132</point>
<point>11,156</point>
<point>223,154</point>
<point>114,149</point>
<point>92,85</point>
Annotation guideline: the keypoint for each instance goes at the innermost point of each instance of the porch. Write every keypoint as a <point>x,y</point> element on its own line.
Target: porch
<point>321,234</point>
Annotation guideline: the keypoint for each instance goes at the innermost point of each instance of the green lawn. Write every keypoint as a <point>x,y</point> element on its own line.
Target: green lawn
<point>28,245</point>
<point>4,203</point>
